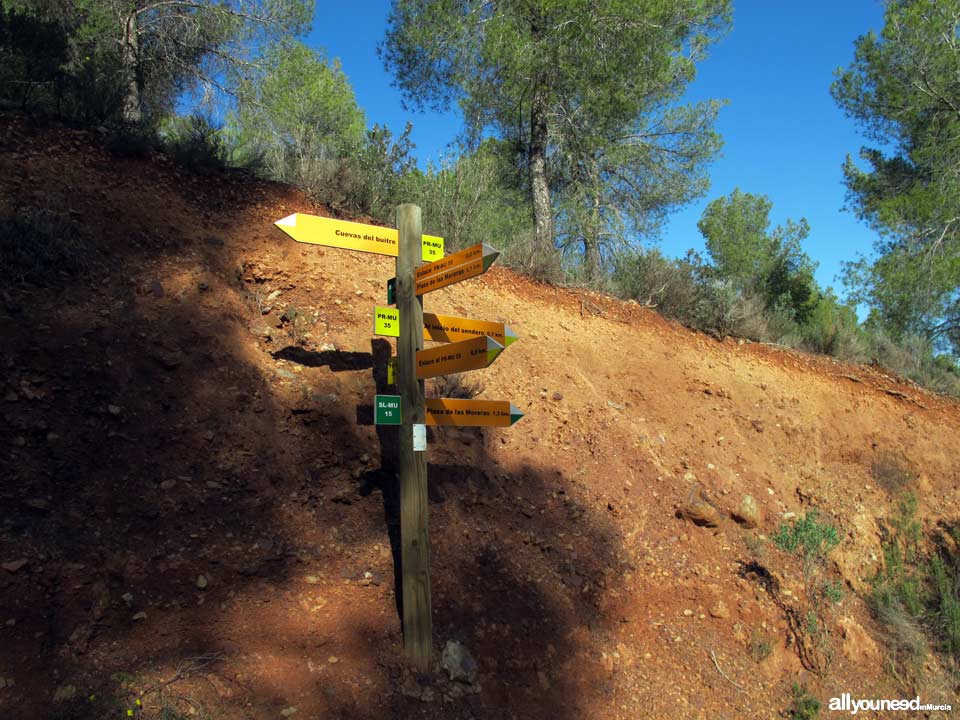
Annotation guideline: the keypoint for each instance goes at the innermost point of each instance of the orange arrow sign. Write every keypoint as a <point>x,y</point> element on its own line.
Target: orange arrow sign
<point>457,357</point>
<point>446,328</point>
<point>439,274</point>
<point>458,258</point>
<point>454,411</point>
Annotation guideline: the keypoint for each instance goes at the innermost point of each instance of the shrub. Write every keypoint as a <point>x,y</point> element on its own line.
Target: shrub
<point>831,328</point>
<point>917,597</point>
<point>194,143</point>
<point>657,282</point>
<point>453,386</point>
<point>38,245</point>
<point>833,591</point>
<point>946,603</point>
<point>911,356</point>
<point>804,705</point>
<point>761,647</point>
<point>807,536</point>
<point>525,256</point>
<point>131,142</point>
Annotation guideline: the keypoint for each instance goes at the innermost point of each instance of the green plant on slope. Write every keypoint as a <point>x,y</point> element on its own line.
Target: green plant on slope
<point>804,706</point>
<point>808,536</point>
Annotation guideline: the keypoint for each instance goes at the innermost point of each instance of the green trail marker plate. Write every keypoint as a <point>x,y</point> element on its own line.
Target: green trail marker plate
<point>387,410</point>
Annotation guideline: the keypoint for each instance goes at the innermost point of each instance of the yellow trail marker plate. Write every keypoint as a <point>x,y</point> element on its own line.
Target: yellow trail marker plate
<point>457,357</point>
<point>443,328</point>
<point>454,411</point>
<point>386,321</point>
<point>317,230</point>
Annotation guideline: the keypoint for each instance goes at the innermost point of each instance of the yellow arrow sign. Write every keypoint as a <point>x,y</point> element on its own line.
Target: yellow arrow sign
<point>317,230</point>
<point>457,357</point>
<point>454,411</point>
<point>443,328</point>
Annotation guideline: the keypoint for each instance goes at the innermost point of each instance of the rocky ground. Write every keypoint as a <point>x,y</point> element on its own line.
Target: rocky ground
<point>194,515</point>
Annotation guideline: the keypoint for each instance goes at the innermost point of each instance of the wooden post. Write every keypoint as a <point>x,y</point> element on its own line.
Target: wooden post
<point>414,530</point>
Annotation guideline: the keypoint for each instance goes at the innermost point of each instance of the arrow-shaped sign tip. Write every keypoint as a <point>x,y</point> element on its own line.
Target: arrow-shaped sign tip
<point>489,255</point>
<point>515,414</point>
<point>288,221</point>
<point>493,349</point>
<point>509,336</point>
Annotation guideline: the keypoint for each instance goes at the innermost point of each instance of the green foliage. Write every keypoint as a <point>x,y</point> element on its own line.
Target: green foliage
<point>303,126</point>
<point>302,117</point>
<point>697,295</point>
<point>473,197</point>
<point>761,647</point>
<point>756,260</point>
<point>903,89</point>
<point>377,167</point>
<point>831,328</point>
<point>833,591</point>
<point>945,579</point>
<point>626,186</point>
<point>32,51</point>
<point>580,89</point>
<point>917,595</point>
<point>129,61</point>
<point>911,356</point>
<point>804,706</point>
<point>902,577</point>
<point>672,287</point>
<point>808,537</point>
<point>194,143</point>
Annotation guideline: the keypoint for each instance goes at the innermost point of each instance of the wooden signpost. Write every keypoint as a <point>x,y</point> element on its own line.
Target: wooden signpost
<point>412,470</point>
<point>467,345</point>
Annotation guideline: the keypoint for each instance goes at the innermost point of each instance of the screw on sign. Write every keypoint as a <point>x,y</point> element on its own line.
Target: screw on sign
<point>467,345</point>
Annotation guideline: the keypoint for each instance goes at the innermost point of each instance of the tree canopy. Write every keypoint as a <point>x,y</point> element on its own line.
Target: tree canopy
<point>766,262</point>
<point>903,89</point>
<point>566,81</point>
<point>140,56</point>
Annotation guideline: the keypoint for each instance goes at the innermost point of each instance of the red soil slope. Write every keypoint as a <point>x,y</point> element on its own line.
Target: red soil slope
<point>159,427</point>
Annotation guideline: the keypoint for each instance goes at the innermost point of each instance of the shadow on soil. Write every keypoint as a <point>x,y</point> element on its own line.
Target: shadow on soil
<point>181,510</point>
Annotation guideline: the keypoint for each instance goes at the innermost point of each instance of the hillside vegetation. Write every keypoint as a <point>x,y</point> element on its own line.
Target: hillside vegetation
<point>197,522</point>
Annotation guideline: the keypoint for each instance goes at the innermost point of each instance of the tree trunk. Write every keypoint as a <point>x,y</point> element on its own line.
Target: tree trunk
<point>132,109</point>
<point>591,258</point>
<point>591,242</point>
<point>539,184</point>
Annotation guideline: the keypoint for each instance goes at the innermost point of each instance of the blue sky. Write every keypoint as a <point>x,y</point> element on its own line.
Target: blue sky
<point>784,137</point>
